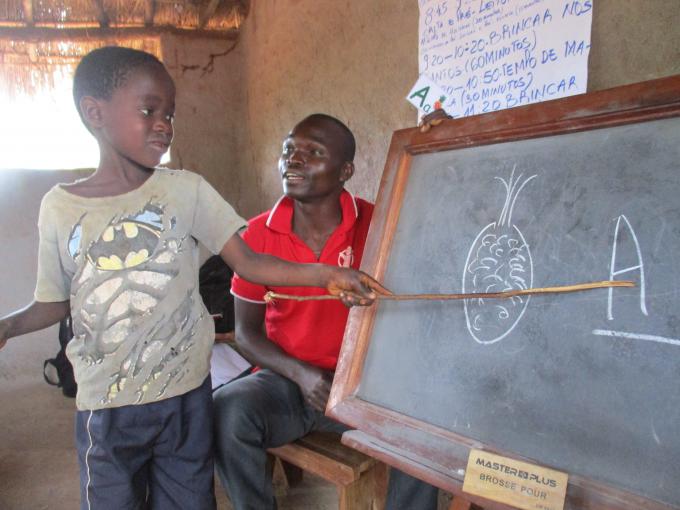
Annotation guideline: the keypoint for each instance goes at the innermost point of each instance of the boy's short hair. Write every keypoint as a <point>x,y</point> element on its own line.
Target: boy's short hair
<point>105,69</point>
<point>349,143</point>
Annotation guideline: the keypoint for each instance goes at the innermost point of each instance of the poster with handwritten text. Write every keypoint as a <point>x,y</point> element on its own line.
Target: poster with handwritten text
<point>489,55</point>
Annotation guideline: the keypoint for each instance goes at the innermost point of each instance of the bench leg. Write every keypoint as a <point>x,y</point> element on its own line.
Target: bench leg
<point>291,472</point>
<point>366,493</point>
<point>284,475</point>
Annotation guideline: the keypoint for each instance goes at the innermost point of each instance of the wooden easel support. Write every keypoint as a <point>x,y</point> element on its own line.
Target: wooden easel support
<point>459,503</point>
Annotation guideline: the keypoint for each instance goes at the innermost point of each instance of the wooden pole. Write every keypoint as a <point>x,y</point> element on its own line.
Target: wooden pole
<point>149,12</point>
<point>102,15</point>
<point>28,12</point>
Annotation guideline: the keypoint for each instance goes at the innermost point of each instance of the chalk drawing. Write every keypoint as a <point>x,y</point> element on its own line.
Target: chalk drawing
<point>638,267</point>
<point>623,223</point>
<point>637,336</point>
<point>499,260</point>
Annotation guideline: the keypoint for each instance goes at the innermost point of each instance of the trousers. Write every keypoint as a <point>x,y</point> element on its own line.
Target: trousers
<point>154,456</point>
<point>265,410</point>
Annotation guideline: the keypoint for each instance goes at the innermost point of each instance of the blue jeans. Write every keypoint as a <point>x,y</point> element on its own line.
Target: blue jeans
<point>265,410</point>
<point>155,456</point>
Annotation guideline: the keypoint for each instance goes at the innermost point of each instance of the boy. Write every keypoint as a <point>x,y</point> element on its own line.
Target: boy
<point>296,344</point>
<point>118,250</point>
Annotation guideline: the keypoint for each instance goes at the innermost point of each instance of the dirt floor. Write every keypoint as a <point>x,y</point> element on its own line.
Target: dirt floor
<point>39,467</point>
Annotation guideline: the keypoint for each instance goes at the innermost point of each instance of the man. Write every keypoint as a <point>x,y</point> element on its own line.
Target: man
<point>296,344</point>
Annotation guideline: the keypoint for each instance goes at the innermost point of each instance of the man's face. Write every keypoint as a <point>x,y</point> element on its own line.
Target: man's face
<point>138,117</point>
<point>311,163</point>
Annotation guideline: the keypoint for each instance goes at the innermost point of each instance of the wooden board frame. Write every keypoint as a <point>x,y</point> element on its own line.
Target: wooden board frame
<point>417,447</point>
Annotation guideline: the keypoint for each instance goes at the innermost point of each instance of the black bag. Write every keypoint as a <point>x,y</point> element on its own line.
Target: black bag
<point>58,371</point>
<point>214,285</point>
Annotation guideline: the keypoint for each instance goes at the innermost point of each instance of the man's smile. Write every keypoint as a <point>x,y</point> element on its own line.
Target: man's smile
<point>292,176</point>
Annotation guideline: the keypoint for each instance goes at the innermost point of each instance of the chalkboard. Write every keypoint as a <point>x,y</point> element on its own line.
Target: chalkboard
<point>587,383</point>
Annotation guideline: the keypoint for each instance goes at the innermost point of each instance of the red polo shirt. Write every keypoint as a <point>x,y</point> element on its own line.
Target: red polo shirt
<point>311,331</point>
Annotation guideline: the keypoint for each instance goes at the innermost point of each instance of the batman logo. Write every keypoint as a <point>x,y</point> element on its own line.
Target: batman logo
<point>124,245</point>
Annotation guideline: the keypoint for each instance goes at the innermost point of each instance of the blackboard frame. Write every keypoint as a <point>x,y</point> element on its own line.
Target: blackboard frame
<point>415,446</point>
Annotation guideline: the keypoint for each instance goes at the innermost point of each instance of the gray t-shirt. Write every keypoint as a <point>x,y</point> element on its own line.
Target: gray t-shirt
<point>129,265</point>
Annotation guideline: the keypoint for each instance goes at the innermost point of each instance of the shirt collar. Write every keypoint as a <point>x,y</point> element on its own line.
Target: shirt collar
<point>280,217</point>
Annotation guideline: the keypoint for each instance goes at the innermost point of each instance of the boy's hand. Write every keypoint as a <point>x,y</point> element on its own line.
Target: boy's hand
<point>354,287</point>
<point>31,318</point>
<point>433,119</point>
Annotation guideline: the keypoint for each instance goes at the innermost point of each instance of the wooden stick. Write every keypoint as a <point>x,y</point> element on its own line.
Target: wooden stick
<point>272,296</point>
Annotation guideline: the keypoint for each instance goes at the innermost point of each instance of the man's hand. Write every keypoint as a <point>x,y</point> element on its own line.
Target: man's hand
<point>433,119</point>
<point>315,385</point>
<point>354,287</point>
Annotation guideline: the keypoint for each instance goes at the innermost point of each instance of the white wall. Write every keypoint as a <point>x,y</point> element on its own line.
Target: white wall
<point>20,194</point>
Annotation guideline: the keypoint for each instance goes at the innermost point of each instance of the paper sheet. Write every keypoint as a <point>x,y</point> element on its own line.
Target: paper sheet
<point>489,55</point>
<point>225,364</point>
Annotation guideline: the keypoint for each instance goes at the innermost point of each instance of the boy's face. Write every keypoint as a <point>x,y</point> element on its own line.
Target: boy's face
<point>311,163</point>
<point>137,120</point>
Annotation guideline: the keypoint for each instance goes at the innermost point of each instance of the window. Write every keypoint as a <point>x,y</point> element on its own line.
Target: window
<point>43,131</point>
<point>40,128</point>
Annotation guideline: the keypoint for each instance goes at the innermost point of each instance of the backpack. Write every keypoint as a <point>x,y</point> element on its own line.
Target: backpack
<point>214,284</point>
<point>58,371</point>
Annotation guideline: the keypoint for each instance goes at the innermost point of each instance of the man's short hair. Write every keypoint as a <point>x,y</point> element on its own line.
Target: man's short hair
<point>105,69</point>
<point>349,144</point>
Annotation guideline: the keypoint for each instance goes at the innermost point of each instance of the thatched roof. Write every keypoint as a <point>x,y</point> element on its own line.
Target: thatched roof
<point>207,15</point>
<point>41,39</point>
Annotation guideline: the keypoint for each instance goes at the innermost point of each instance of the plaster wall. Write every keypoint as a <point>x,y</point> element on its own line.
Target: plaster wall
<point>632,41</point>
<point>358,59</point>
<point>209,110</point>
<point>354,60</point>
<point>20,194</point>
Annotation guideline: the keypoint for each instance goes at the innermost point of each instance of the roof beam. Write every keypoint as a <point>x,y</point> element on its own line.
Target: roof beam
<point>207,13</point>
<point>43,34</point>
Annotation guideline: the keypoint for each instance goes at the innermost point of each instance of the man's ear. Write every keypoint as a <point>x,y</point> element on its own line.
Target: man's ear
<point>91,110</point>
<point>347,171</point>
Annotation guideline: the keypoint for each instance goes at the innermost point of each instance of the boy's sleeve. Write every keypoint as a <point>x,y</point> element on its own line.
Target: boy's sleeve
<point>215,221</point>
<point>53,284</point>
<point>243,289</point>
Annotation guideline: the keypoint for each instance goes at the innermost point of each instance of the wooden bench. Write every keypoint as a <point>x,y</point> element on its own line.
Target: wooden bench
<point>360,480</point>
